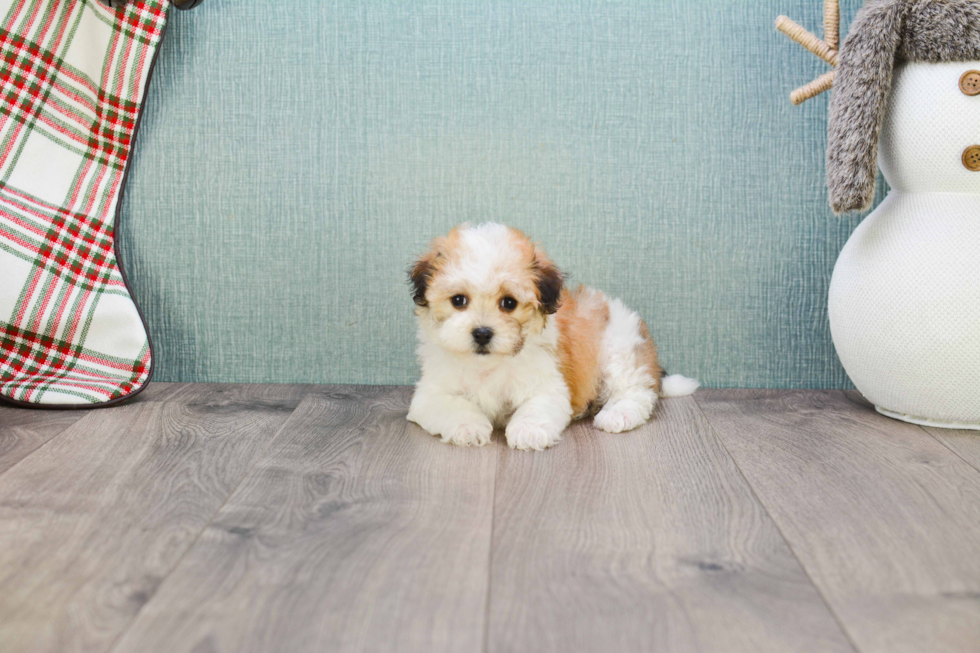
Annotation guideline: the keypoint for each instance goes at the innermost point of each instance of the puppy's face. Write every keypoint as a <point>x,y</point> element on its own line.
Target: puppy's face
<point>483,290</point>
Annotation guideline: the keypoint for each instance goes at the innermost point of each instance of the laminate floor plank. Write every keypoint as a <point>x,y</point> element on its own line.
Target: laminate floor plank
<point>644,541</point>
<point>356,531</point>
<point>965,443</point>
<point>163,391</point>
<point>91,523</point>
<point>24,430</point>
<point>885,519</point>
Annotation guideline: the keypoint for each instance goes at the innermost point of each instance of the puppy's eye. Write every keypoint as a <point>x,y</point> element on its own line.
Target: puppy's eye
<point>460,301</point>
<point>508,304</point>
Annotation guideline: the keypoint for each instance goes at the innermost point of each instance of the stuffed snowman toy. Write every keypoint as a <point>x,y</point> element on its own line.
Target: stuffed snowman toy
<point>904,301</point>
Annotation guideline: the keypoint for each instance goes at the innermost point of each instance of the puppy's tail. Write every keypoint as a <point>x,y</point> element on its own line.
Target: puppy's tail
<point>676,385</point>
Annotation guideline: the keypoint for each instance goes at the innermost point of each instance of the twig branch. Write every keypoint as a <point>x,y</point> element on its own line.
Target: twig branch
<point>825,48</point>
<point>831,23</point>
<point>807,39</point>
<point>813,89</point>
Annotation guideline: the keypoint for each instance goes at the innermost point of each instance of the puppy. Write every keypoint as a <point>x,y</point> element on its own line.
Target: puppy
<point>503,343</point>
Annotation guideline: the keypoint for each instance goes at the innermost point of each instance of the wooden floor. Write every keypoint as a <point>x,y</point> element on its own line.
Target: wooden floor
<point>207,518</point>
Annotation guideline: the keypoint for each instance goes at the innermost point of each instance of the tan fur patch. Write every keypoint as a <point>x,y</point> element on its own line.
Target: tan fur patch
<point>646,354</point>
<point>446,249</point>
<point>522,244</point>
<point>442,251</point>
<point>548,278</point>
<point>581,319</point>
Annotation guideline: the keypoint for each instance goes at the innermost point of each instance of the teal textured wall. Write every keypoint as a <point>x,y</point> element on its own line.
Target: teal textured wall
<point>294,157</point>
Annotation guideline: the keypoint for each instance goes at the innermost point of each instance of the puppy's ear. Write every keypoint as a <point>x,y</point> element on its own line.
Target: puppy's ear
<point>419,276</point>
<point>549,281</point>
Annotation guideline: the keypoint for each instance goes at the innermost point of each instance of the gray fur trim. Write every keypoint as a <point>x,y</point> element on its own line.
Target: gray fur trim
<point>883,31</point>
<point>941,31</point>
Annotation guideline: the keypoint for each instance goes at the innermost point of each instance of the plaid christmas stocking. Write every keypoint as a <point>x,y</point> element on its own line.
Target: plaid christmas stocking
<point>73,74</point>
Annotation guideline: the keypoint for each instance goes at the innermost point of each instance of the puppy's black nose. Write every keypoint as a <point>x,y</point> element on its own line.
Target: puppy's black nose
<point>482,335</point>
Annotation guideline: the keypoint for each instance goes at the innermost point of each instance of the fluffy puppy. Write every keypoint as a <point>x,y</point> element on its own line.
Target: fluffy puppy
<point>503,343</point>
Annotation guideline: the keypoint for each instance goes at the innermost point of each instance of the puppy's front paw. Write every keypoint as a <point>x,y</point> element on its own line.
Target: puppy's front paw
<point>469,434</point>
<point>529,435</point>
<point>623,415</point>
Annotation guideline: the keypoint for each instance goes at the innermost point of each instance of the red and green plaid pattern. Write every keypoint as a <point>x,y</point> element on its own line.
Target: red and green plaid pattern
<point>72,78</point>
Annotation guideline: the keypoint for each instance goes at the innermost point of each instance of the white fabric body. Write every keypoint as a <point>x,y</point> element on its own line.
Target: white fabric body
<point>905,295</point>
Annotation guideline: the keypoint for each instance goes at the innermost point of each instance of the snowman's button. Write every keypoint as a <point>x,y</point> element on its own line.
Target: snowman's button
<point>970,82</point>
<point>971,158</point>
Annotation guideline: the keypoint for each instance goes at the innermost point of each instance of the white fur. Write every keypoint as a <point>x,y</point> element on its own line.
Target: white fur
<point>463,396</point>
<point>676,385</point>
<point>627,397</point>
